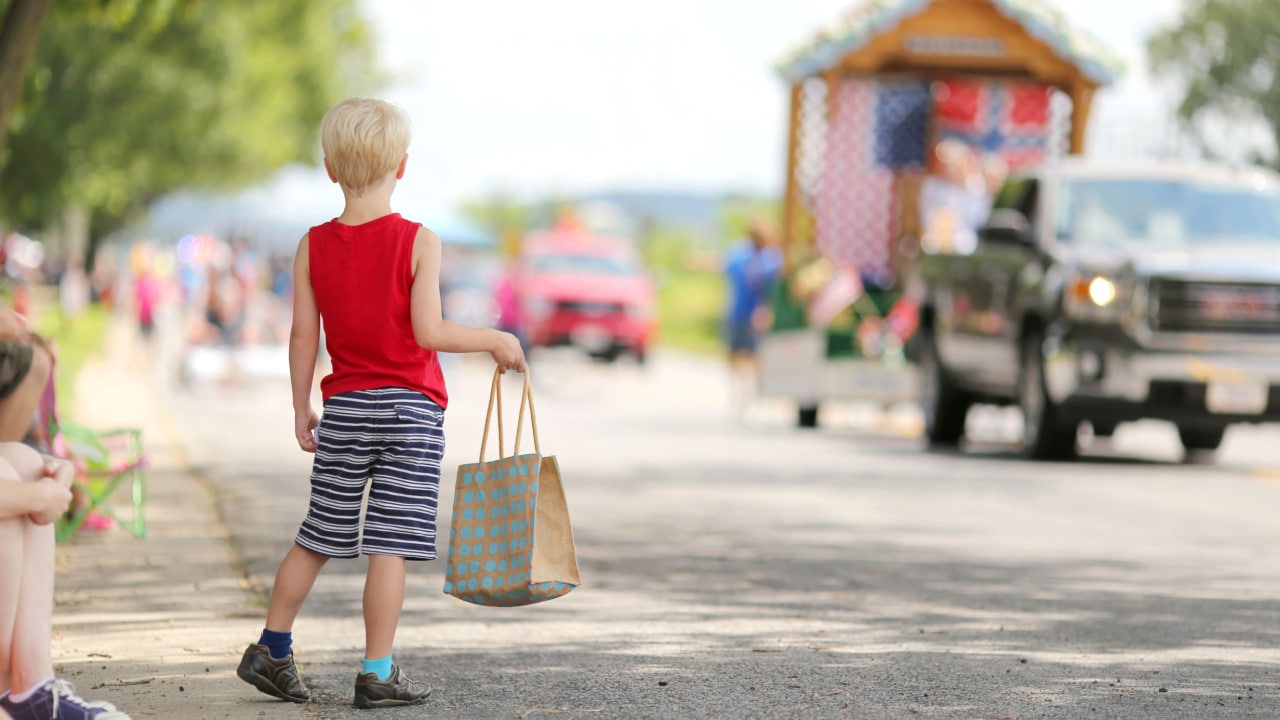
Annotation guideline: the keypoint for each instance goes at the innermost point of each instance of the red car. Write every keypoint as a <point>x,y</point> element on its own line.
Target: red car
<point>591,291</point>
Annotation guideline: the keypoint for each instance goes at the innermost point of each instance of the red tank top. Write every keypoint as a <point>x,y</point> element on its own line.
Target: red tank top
<point>361,275</point>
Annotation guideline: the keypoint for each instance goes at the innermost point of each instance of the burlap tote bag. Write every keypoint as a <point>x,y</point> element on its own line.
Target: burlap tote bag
<point>510,542</point>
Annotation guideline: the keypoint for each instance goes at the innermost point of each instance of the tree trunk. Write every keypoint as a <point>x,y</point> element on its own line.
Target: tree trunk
<point>19,38</point>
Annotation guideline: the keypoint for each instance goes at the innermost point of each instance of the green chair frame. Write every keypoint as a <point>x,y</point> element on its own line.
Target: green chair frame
<point>107,461</point>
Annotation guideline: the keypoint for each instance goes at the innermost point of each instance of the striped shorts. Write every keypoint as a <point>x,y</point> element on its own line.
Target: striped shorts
<point>390,440</point>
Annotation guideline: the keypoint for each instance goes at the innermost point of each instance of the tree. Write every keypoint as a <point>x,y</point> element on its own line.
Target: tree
<point>1227,53</point>
<point>20,31</point>
<point>19,36</point>
<point>124,107</point>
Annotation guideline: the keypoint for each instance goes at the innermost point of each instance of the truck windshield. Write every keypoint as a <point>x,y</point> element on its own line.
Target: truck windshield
<point>1127,211</point>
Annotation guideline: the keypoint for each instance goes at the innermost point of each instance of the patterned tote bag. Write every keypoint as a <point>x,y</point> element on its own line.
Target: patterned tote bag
<point>510,542</point>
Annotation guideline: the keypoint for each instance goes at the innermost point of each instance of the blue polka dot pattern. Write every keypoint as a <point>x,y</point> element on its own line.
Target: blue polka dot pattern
<point>496,502</point>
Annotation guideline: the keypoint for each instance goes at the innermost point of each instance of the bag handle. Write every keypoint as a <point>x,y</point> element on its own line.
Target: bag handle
<point>495,395</point>
<point>495,399</point>
<point>527,397</point>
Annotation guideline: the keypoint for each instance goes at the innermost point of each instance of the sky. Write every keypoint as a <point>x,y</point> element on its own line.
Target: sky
<point>559,97</point>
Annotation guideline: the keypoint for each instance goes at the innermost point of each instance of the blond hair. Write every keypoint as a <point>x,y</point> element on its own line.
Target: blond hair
<point>364,139</point>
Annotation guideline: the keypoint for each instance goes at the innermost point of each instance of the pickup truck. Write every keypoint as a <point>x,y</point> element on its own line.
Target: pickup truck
<point>1107,294</point>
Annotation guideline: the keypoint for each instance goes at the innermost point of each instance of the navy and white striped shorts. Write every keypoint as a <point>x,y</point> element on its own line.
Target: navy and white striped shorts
<point>391,440</point>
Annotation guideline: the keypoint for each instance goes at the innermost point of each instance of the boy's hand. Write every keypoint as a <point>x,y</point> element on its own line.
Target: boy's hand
<point>507,352</point>
<point>53,500</point>
<point>304,426</point>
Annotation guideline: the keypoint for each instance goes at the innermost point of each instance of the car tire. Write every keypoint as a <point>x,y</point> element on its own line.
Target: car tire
<point>943,404</point>
<point>1045,435</point>
<point>1201,441</point>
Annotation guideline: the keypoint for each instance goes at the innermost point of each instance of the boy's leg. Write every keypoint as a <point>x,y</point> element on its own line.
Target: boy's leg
<point>399,526</point>
<point>400,522</point>
<point>383,601</point>
<point>294,580</point>
<point>268,664</point>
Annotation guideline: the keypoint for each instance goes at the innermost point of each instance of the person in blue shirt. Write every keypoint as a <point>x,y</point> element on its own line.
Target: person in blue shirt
<point>751,266</point>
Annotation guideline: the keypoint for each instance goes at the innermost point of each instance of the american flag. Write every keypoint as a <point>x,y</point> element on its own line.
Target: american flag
<point>1010,119</point>
<point>876,135</point>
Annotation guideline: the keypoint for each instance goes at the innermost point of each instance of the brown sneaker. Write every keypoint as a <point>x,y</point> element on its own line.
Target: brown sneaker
<point>395,690</point>
<point>278,678</point>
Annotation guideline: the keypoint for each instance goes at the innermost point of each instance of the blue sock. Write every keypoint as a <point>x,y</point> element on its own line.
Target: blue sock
<point>380,667</point>
<point>279,643</point>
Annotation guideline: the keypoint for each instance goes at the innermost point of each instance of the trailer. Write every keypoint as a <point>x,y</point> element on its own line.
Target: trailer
<point>872,95</point>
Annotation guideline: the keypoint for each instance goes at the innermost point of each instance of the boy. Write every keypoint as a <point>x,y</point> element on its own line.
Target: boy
<point>35,491</point>
<point>374,279</point>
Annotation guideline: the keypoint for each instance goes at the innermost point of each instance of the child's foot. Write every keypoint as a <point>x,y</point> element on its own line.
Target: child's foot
<point>58,699</point>
<point>395,690</point>
<point>278,678</point>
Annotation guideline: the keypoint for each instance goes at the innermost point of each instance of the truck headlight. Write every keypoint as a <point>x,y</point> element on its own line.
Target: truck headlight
<point>1102,291</point>
<point>1095,297</point>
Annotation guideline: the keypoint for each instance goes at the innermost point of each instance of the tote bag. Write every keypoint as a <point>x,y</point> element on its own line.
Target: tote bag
<point>510,542</point>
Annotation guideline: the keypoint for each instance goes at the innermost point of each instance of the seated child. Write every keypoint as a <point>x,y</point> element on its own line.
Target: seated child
<point>35,490</point>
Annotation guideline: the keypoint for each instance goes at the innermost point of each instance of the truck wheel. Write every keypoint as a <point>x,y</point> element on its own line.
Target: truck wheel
<point>807,416</point>
<point>1045,435</point>
<point>943,404</point>
<point>1201,441</point>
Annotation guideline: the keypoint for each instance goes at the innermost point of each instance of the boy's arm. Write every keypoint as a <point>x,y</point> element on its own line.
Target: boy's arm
<point>304,341</point>
<point>430,328</point>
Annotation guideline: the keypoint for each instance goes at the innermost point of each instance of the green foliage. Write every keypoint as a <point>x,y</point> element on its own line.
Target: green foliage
<point>1227,52</point>
<point>76,341</point>
<point>691,291</point>
<point>501,214</point>
<point>129,100</point>
<point>738,213</point>
<point>691,308</point>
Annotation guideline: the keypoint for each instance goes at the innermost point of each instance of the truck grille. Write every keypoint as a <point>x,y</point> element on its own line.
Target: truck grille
<point>1188,306</point>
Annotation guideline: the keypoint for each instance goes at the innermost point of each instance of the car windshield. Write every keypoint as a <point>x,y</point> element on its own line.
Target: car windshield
<point>581,264</point>
<point>1177,212</point>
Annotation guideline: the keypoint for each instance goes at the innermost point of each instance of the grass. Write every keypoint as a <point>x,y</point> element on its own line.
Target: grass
<point>691,292</point>
<point>76,340</point>
<point>691,303</point>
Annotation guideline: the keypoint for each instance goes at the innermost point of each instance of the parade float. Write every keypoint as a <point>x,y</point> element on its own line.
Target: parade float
<point>895,107</point>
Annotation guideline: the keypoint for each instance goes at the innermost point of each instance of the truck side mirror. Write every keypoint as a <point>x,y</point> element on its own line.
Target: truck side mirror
<point>1007,226</point>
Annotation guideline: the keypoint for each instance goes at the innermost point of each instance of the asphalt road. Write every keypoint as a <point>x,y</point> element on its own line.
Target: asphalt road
<point>741,568</point>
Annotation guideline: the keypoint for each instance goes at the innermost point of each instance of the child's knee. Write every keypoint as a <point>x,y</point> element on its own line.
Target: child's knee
<point>20,461</point>
<point>8,474</point>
